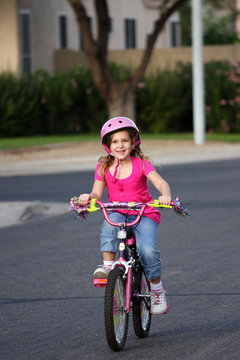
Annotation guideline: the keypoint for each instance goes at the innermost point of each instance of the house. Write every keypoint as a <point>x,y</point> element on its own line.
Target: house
<point>31,30</point>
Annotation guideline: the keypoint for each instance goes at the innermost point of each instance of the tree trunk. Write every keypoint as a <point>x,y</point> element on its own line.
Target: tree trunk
<point>119,96</point>
<point>121,102</point>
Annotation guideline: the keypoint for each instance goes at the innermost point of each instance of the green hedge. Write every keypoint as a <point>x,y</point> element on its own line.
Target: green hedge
<point>222,87</point>
<point>41,104</point>
<point>68,102</point>
<point>164,101</point>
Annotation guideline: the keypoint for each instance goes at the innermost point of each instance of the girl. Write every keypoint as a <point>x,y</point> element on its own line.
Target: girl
<point>125,171</point>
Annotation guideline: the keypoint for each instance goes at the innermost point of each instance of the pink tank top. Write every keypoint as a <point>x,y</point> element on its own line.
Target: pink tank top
<point>132,188</point>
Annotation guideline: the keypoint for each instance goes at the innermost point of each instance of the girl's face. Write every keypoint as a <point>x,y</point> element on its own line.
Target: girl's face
<point>121,145</point>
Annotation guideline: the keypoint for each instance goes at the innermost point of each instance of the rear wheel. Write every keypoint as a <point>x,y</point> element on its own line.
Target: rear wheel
<point>116,318</point>
<point>141,305</point>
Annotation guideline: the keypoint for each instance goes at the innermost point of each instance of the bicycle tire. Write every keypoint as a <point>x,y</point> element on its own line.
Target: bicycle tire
<point>116,318</point>
<point>141,309</point>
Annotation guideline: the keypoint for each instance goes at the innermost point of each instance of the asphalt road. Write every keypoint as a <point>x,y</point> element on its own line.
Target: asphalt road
<point>49,308</point>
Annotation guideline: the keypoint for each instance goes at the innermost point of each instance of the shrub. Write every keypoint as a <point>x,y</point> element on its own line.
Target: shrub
<point>164,101</point>
<point>42,104</point>
<point>68,102</point>
<point>222,84</point>
<point>19,111</point>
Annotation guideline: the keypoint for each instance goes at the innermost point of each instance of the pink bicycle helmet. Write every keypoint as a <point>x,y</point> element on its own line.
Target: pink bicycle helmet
<point>115,124</point>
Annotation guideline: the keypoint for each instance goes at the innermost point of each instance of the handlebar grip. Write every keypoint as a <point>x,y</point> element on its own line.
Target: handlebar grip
<point>81,211</point>
<point>92,206</point>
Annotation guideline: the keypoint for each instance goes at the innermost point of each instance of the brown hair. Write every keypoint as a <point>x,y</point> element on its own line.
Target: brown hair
<point>105,162</point>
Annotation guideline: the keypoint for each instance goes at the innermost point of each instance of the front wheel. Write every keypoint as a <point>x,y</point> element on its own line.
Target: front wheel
<point>141,305</point>
<point>116,318</point>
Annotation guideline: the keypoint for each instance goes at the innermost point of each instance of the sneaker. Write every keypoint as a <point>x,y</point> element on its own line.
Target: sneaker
<point>102,272</point>
<point>159,303</point>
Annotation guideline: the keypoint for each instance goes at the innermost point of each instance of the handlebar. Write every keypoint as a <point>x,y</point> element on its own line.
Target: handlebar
<point>105,213</point>
<point>82,211</point>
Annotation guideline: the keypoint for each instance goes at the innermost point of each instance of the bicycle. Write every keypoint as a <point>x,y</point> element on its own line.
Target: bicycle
<point>127,285</point>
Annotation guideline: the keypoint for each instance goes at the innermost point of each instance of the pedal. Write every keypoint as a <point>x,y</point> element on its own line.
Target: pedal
<point>100,282</point>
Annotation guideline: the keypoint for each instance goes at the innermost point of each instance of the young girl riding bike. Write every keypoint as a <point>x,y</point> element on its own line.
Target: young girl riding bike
<point>125,171</point>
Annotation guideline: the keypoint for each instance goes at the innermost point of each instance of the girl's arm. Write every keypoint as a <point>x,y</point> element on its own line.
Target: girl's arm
<point>96,193</point>
<point>162,186</point>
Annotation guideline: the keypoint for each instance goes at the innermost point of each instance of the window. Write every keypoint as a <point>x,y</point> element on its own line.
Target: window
<point>63,40</point>
<point>174,33</point>
<point>130,33</point>
<point>25,42</point>
<point>110,30</point>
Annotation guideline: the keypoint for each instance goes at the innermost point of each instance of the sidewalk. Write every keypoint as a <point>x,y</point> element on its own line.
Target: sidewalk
<point>79,157</point>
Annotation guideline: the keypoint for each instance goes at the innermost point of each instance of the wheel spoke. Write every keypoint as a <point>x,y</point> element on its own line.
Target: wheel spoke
<point>141,307</point>
<point>118,310</point>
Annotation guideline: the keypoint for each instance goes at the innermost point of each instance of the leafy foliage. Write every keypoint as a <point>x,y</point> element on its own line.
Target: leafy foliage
<point>223,97</point>
<point>164,104</point>
<point>218,30</point>
<point>68,103</point>
<point>186,21</point>
<point>44,104</point>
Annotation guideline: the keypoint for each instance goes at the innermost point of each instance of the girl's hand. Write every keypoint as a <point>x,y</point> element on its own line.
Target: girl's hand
<point>83,199</point>
<point>165,200</point>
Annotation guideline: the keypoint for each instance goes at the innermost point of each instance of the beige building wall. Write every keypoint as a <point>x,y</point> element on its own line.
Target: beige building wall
<point>44,30</point>
<point>9,48</point>
<point>161,58</point>
<point>44,16</point>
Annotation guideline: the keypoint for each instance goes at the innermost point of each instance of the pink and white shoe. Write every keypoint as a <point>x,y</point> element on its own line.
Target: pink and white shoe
<point>100,276</point>
<point>159,303</point>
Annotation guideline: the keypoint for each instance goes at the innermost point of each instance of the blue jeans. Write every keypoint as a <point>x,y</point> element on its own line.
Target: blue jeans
<point>146,240</point>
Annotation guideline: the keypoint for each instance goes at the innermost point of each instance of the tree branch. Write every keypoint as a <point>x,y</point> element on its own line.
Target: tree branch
<point>103,27</point>
<point>96,51</point>
<point>166,12</point>
<point>83,21</point>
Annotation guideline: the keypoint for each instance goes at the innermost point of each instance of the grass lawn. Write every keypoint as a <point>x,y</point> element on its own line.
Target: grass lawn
<point>23,142</point>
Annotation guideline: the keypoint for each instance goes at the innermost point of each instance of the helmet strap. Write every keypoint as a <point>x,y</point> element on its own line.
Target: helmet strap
<point>107,149</point>
<point>115,172</point>
<point>137,140</point>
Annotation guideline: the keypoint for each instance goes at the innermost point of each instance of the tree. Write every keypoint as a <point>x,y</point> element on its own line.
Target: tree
<point>119,95</point>
<point>219,19</point>
<point>222,4</point>
<point>219,30</point>
<point>186,23</point>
